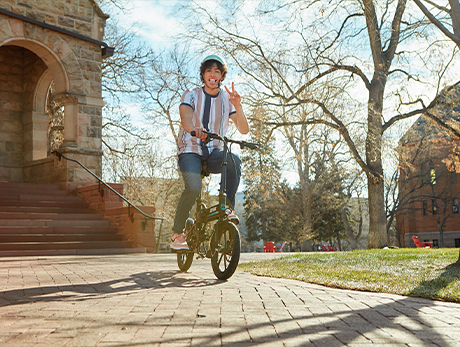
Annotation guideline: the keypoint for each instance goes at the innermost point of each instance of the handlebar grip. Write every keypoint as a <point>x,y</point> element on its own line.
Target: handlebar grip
<point>251,145</point>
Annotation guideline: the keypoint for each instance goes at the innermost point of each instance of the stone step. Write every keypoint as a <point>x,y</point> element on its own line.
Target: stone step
<point>32,191</point>
<point>21,246</point>
<point>91,237</point>
<point>17,230</point>
<point>45,209</point>
<point>41,219</point>
<point>60,252</point>
<point>37,223</point>
<point>41,197</point>
<point>39,204</point>
<point>50,216</point>
<point>18,186</point>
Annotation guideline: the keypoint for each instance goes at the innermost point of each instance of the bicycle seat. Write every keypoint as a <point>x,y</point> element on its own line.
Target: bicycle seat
<point>204,169</point>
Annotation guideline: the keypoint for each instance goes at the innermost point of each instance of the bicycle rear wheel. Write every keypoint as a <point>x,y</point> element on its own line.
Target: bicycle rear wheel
<point>184,261</point>
<point>226,251</point>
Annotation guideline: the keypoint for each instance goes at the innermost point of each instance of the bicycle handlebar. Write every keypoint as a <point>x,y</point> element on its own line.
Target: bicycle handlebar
<point>243,144</point>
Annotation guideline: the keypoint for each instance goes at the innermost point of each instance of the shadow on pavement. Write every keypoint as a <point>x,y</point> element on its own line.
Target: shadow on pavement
<point>138,281</point>
<point>399,323</point>
<point>390,320</point>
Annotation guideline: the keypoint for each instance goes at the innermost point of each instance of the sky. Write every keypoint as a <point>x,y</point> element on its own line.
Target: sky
<point>157,22</point>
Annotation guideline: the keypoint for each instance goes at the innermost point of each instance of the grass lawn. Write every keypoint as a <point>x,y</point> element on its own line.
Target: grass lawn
<point>405,271</point>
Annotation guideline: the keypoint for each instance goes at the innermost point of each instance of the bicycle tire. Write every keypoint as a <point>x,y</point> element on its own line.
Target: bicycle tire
<point>226,251</point>
<point>184,261</point>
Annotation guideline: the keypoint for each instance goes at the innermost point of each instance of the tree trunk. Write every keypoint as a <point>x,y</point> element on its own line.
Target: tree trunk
<point>376,193</point>
<point>377,218</point>
<point>351,237</point>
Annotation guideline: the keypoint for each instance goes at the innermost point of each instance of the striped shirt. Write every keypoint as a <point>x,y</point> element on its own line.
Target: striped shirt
<point>219,110</point>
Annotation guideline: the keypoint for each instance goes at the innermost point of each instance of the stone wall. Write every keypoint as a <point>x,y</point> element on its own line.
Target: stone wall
<point>11,110</point>
<point>83,17</point>
<point>129,222</point>
<point>31,57</point>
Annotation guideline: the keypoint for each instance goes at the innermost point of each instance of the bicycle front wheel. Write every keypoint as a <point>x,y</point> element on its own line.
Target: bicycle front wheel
<point>226,251</point>
<point>184,261</point>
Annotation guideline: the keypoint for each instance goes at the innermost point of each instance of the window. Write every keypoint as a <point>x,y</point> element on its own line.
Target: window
<point>432,173</point>
<point>457,243</point>
<point>435,243</point>
<point>434,206</point>
<point>425,207</point>
<point>455,205</point>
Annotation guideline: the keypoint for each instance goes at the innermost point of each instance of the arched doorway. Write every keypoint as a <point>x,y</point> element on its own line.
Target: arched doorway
<point>31,61</point>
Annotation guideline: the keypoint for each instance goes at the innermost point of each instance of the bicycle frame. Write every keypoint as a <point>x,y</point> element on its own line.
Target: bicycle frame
<point>223,242</point>
<point>205,215</point>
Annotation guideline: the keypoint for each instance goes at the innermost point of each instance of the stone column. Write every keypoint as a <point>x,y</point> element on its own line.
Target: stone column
<point>35,135</point>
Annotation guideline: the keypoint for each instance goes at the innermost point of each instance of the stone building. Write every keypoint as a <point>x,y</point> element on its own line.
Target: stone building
<point>44,42</point>
<point>51,53</point>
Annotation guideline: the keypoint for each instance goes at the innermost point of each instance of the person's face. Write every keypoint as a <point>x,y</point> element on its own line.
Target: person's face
<point>212,77</point>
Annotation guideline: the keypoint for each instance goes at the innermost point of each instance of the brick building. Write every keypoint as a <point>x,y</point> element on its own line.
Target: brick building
<point>429,192</point>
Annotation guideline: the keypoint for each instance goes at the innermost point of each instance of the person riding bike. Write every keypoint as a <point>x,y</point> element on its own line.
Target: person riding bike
<point>208,107</point>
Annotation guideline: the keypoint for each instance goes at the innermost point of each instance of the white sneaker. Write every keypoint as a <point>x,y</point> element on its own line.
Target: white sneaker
<point>232,217</point>
<point>178,243</point>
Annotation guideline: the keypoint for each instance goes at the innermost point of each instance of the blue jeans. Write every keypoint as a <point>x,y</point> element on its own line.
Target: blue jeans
<point>190,167</point>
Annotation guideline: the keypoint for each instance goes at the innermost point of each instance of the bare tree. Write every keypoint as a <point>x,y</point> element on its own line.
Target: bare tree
<point>438,15</point>
<point>162,84</point>
<point>315,55</point>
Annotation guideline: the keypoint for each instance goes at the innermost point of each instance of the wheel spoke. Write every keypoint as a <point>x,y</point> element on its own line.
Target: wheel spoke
<point>225,260</point>
<point>220,258</point>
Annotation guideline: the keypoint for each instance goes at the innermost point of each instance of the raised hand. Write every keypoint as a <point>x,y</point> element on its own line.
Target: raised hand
<point>234,97</point>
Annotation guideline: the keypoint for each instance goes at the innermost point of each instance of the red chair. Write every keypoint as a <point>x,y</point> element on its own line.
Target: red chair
<point>269,247</point>
<point>421,244</point>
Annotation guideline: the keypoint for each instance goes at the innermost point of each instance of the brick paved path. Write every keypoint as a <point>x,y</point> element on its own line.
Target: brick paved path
<point>142,300</point>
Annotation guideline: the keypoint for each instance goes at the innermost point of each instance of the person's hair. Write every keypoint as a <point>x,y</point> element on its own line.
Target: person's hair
<point>208,64</point>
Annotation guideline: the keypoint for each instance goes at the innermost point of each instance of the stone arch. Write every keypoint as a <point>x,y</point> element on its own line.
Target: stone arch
<point>64,70</point>
<point>40,97</point>
<point>73,65</point>
<point>49,57</point>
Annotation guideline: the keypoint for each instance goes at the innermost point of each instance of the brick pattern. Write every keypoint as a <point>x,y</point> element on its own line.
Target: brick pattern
<point>412,220</point>
<point>143,300</point>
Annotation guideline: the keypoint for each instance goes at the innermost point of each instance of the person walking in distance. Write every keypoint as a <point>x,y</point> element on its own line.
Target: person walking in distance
<point>208,107</point>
